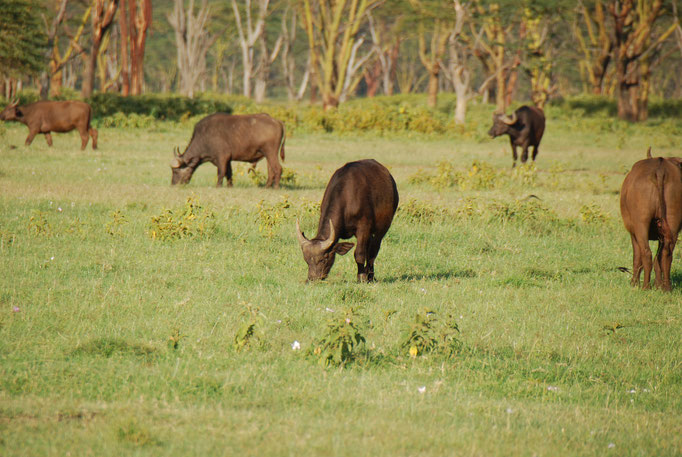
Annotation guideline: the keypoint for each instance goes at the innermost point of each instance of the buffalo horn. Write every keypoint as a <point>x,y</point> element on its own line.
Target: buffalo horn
<point>509,120</point>
<point>330,240</point>
<point>301,237</point>
<point>176,151</point>
<point>175,163</point>
<point>648,153</point>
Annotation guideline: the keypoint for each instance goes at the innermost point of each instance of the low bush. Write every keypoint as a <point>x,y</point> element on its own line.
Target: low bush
<point>191,221</point>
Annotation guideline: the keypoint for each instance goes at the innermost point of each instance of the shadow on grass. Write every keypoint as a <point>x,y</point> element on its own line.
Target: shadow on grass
<point>107,347</point>
<point>434,276</point>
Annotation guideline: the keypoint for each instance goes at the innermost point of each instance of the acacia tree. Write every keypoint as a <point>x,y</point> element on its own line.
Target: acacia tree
<point>192,41</point>
<point>636,41</point>
<point>386,39</point>
<point>596,48</point>
<point>103,12</point>
<point>22,41</point>
<point>459,50</point>
<point>332,27</point>
<point>435,25</point>
<point>288,58</point>
<point>135,18</point>
<point>250,31</point>
<point>51,31</point>
<point>59,59</point>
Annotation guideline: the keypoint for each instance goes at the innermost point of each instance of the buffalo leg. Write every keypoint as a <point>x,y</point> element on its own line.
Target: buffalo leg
<point>524,154</point>
<point>84,138</point>
<point>48,138</point>
<point>31,134</point>
<point>374,246</point>
<point>222,169</point>
<point>535,152</point>
<point>658,281</point>
<point>666,262</point>
<point>514,155</point>
<point>93,134</point>
<point>636,262</point>
<point>361,253</point>
<point>274,172</point>
<point>642,240</point>
<point>228,173</point>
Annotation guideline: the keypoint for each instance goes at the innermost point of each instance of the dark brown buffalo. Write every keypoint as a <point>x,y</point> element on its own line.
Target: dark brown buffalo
<point>525,128</point>
<point>651,206</point>
<point>221,138</point>
<point>48,116</point>
<point>360,200</point>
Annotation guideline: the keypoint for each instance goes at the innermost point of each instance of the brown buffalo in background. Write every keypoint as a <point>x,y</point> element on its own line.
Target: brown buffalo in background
<point>360,200</point>
<point>651,206</point>
<point>53,116</point>
<point>524,127</point>
<point>221,138</point>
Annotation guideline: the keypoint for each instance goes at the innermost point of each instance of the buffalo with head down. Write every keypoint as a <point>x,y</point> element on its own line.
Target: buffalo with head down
<point>524,127</point>
<point>221,138</point>
<point>53,116</point>
<point>651,206</point>
<point>360,200</point>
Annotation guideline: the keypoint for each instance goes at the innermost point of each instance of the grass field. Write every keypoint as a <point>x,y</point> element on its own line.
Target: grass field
<point>114,343</point>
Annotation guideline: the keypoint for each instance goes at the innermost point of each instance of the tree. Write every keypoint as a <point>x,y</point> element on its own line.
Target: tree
<point>597,48</point>
<point>288,58</point>
<point>58,59</point>
<point>332,27</point>
<point>459,49</point>
<point>51,32</point>
<point>192,41</point>
<point>103,12</point>
<point>135,18</point>
<point>636,42</point>
<point>22,39</point>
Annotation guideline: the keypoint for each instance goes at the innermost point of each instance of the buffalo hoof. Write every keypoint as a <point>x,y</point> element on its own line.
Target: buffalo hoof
<point>362,277</point>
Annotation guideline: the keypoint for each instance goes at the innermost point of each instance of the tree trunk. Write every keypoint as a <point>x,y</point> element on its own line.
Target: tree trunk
<point>432,88</point>
<point>102,17</point>
<point>125,64</point>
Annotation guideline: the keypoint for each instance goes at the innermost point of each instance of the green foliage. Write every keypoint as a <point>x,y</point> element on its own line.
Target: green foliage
<point>22,38</point>
<point>421,212</point>
<point>132,120</point>
<point>593,214</point>
<point>192,221</point>
<point>529,211</point>
<point>134,433</point>
<point>117,109</point>
<point>115,226</point>
<point>246,332</point>
<point>38,224</point>
<point>271,215</point>
<point>340,341</point>
<point>174,339</point>
<point>481,176</point>
<point>288,179</point>
<point>428,334</point>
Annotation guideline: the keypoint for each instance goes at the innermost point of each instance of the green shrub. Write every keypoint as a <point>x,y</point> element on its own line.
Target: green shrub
<point>428,334</point>
<point>271,215</point>
<point>593,214</point>
<point>115,226</point>
<point>340,341</point>
<point>420,212</point>
<point>246,332</point>
<point>192,221</point>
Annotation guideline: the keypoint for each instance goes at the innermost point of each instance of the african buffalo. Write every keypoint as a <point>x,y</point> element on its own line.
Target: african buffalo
<point>525,128</point>
<point>221,138</point>
<point>360,200</point>
<point>50,116</point>
<point>651,206</point>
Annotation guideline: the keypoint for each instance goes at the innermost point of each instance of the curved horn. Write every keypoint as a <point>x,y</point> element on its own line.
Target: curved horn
<point>648,153</point>
<point>326,244</point>
<point>176,151</point>
<point>301,237</point>
<point>175,163</point>
<point>509,120</point>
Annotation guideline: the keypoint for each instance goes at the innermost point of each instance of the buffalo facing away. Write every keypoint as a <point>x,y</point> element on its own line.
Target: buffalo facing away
<point>221,138</point>
<point>651,206</point>
<point>53,116</point>
<point>360,200</point>
<point>524,127</point>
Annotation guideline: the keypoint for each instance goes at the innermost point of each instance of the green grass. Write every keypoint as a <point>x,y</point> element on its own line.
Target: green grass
<point>559,355</point>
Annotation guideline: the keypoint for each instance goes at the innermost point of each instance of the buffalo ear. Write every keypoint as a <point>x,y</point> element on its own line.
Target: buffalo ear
<point>18,113</point>
<point>343,248</point>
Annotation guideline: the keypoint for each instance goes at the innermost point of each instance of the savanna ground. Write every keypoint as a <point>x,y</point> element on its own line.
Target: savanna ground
<point>115,343</point>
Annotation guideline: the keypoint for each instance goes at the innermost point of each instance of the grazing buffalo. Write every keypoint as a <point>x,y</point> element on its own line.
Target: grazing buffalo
<point>221,138</point>
<point>651,206</point>
<point>525,128</point>
<point>48,116</point>
<point>360,200</point>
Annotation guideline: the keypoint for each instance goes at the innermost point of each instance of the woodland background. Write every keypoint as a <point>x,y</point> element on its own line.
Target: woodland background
<point>329,51</point>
